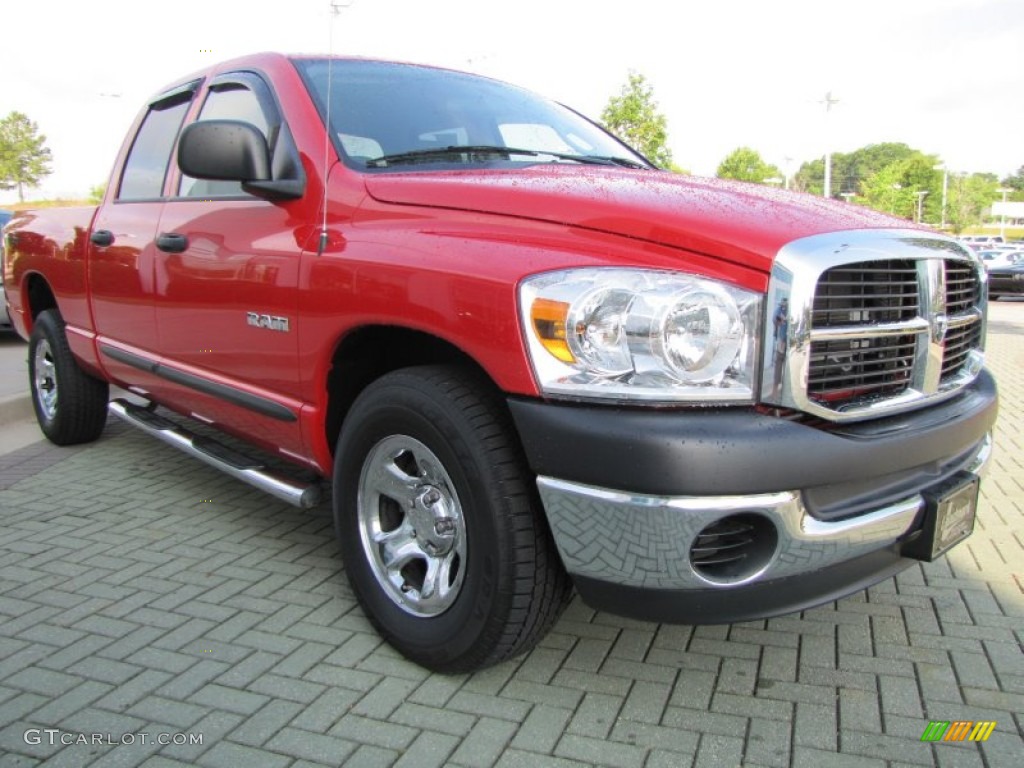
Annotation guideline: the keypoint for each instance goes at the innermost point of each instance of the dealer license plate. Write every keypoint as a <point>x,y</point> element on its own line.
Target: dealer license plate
<point>949,519</point>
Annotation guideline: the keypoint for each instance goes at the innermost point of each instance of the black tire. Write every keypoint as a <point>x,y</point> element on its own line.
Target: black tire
<point>70,405</point>
<point>513,586</point>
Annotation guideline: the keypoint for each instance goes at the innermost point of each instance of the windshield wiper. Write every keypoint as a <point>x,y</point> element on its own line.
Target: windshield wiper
<point>431,153</point>
<point>625,162</point>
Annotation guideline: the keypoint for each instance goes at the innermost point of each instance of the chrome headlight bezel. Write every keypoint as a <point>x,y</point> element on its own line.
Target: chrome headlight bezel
<point>635,335</point>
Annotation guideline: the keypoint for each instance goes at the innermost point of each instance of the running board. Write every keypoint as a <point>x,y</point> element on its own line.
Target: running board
<point>238,465</point>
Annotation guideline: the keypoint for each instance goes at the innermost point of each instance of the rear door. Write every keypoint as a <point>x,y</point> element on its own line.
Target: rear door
<point>123,252</point>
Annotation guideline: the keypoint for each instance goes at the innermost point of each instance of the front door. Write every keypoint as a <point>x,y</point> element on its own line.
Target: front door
<point>226,279</point>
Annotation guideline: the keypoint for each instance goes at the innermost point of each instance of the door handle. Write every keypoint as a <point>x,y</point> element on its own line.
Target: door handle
<point>171,242</point>
<point>102,237</point>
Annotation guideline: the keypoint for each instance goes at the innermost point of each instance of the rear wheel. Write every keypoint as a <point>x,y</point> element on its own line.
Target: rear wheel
<point>444,541</point>
<point>70,405</point>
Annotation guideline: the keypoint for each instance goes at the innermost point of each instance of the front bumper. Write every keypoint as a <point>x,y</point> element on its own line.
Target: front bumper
<point>628,492</point>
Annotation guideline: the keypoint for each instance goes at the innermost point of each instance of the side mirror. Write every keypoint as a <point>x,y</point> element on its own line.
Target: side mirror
<point>224,150</point>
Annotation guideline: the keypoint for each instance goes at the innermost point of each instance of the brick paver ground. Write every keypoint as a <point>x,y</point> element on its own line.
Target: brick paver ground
<point>142,594</point>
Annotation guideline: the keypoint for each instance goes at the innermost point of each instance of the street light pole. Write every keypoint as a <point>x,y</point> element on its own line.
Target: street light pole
<point>1002,221</point>
<point>945,193</point>
<point>828,102</point>
<point>920,202</point>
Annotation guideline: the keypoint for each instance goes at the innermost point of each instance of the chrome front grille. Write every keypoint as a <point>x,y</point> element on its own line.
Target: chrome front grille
<point>879,322</point>
<point>842,370</point>
<point>866,293</point>
<point>963,288</point>
<point>959,343</point>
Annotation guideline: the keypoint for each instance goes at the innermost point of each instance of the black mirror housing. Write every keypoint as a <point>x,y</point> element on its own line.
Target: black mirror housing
<point>224,150</point>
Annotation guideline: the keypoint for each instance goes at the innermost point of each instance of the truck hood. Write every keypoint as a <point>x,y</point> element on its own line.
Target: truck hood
<point>743,223</point>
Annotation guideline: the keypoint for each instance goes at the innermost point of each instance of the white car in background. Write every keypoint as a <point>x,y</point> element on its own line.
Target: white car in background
<point>981,240</point>
<point>1000,257</point>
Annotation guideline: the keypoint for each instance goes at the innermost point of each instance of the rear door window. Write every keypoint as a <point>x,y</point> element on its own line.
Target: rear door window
<point>146,166</point>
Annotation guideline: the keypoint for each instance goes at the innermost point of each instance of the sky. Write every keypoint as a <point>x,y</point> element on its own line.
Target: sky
<point>944,76</point>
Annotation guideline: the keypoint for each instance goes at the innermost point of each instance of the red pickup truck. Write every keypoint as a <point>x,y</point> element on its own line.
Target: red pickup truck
<point>526,359</point>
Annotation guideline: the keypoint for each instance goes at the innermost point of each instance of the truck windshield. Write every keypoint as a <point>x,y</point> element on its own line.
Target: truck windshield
<point>387,116</point>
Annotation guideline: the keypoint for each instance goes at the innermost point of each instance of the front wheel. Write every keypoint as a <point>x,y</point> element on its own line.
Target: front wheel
<point>70,405</point>
<point>440,527</point>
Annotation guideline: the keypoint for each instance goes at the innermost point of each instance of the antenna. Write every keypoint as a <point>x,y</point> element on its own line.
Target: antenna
<point>336,7</point>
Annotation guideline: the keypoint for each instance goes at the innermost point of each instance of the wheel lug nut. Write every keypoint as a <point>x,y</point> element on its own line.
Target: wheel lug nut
<point>431,497</point>
<point>444,526</point>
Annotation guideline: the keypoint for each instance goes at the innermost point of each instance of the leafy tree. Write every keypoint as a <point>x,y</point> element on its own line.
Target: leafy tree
<point>97,192</point>
<point>1016,183</point>
<point>633,116</point>
<point>745,164</point>
<point>895,187</point>
<point>969,196</point>
<point>24,158</point>
<point>886,177</point>
<point>850,170</point>
<point>885,191</point>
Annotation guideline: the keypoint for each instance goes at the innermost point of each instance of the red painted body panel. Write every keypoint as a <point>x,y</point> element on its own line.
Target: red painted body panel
<point>52,245</point>
<point>121,286</point>
<point>54,241</point>
<point>742,223</point>
<point>437,252</point>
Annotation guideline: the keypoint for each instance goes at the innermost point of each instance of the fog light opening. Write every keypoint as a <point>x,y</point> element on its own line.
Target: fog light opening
<point>734,549</point>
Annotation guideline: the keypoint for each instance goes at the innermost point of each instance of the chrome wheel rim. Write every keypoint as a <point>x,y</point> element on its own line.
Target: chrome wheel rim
<point>411,525</point>
<point>45,380</point>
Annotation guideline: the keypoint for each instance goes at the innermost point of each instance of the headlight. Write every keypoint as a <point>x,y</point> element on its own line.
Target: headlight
<point>636,334</point>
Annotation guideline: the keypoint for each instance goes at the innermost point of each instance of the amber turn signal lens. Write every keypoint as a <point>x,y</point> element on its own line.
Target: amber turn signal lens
<point>548,319</point>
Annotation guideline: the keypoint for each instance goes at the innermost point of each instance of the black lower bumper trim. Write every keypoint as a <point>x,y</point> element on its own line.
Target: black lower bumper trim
<point>750,602</point>
<point>725,452</point>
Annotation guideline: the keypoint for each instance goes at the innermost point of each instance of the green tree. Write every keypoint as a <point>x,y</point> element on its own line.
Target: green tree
<point>97,192</point>
<point>633,116</point>
<point>969,196</point>
<point>745,164</point>
<point>886,191</point>
<point>1016,183</point>
<point>898,187</point>
<point>850,170</point>
<point>24,158</point>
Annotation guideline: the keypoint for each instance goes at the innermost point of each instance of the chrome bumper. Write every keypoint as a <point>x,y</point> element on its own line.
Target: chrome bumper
<point>644,541</point>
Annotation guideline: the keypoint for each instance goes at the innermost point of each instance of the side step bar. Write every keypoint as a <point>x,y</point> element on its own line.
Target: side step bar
<point>239,466</point>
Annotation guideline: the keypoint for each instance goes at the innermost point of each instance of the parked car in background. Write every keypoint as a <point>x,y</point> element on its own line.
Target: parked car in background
<point>994,258</point>
<point>5,318</point>
<point>1006,279</point>
<point>984,240</point>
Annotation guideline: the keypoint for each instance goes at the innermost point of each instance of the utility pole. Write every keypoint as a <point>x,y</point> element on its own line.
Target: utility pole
<point>945,193</point>
<point>1002,222</point>
<point>920,203</point>
<point>828,102</point>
